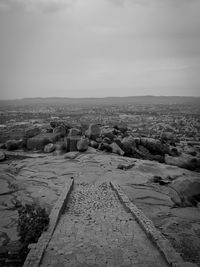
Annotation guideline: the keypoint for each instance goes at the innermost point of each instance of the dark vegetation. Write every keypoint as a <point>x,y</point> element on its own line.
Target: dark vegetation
<point>32,222</point>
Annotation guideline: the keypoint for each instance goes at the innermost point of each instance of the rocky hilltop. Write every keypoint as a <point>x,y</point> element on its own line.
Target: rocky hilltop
<point>149,145</point>
<point>59,137</point>
<point>161,176</point>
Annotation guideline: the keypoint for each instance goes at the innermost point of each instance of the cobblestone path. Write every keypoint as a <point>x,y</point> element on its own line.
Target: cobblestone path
<point>95,230</point>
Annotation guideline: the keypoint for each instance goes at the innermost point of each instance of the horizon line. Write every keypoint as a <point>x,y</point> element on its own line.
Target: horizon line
<point>88,97</point>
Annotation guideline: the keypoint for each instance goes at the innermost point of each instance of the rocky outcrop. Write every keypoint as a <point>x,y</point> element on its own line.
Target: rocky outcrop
<point>116,149</point>
<point>93,131</point>
<point>60,130</point>
<point>168,137</point>
<point>93,144</point>
<point>107,140</point>
<point>14,144</point>
<point>2,156</point>
<point>82,144</point>
<point>183,161</point>
<point>153,145</point>
<point>31,132</point>
<point>74,132</point>
<point>105,147</point>
<point>173,151</point>
<point>49,148</point>
<point>108,133</point>
<point>128,145</point>
<point>38,142</point>
<point>188,189</point>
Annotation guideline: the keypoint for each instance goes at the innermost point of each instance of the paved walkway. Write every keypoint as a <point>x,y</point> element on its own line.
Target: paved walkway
<point>95,230</point>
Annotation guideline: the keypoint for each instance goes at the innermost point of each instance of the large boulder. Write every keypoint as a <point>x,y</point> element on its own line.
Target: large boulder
<point>14,144</point>
<point>2,146</point>
<point>105,147</point>
<point>38,142</point>
<point>188,188</point>
<point>190,150</point>
<point>82,144</point>
<point>49,148</point>
<point>153,145</point>
<point>60,130</point>
<point>128,145</point>
<point>93,131</point>
<point>116,149</point>
<point>107,133</point>
<point>31,132</point>
<point>168,137</point>
<point>183,161</point>
<point>74,132</point>
<point>93,144</point>
<point>2,156</point>
<point>107,140</point>
<point>173,151</point>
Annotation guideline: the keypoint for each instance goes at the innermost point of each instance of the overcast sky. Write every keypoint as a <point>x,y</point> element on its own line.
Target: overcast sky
<point>97,48</point>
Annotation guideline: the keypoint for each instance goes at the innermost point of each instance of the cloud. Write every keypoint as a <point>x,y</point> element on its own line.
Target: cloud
<point>49,6</point>
<point>150,3</point>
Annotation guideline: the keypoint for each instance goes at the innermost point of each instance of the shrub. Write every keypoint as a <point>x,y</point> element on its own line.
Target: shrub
<point>32,222</point>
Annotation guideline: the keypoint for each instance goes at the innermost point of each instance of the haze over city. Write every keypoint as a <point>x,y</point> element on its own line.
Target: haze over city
<point>99,48</point>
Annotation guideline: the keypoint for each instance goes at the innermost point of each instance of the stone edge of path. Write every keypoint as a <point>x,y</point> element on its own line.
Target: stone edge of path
<point>173,258</point>
<point>37,250</point>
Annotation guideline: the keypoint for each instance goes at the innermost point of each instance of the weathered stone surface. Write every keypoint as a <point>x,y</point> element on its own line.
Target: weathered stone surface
<point>74,132</point>
<point>128,145</point>
<point>153,145</point>
<point>82,144</point>
<point>168,137</point>
<point>38,142</point>
<point>2,156</point>
<point>31,132</point>
<point>93,131</point>
<point>190,150</point>
<point>71,155</point>
<point>91,150</point>
<point>2,146</point>
<point>60,129</point>
<point>49,148</point>
<point>107,140</point>
<point>125,167</point>
<point>116,149</point>
<point>118,141</point>
<point>173,151</point>
<point>107,132</point>
<point>14,144</point>
<point>43,176</point>
<point>188,189</point>
<point>93,144</point>
<point>183,161</point>
<point>105,147</point>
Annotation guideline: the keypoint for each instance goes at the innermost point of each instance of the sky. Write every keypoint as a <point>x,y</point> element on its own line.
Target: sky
<point>99,48</point>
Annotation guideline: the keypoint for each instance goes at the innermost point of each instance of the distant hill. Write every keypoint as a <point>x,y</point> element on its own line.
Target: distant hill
<point>148,99</point>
